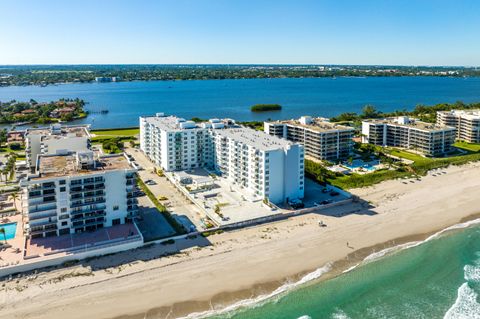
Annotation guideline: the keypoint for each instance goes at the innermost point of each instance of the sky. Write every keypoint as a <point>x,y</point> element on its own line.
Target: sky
<point>379,32</point>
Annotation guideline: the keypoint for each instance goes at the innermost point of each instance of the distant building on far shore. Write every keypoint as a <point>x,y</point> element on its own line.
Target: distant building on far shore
<point>466,122</point>
<point>103,79</point>
<point>425,138</point>
<point>322,140</point>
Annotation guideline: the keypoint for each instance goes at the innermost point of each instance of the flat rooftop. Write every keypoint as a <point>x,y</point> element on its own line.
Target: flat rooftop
<point>413,123</point>
<point>257,139</point>
<point>64,165</point>
<point>467,114</point>
<point>167,123</point>
<point>60,132</point>
<point>317,124</point>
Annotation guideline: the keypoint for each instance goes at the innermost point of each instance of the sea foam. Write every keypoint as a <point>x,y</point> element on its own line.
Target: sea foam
<point>389,250</point>
<point>258,301</point>
<point>466,305</point>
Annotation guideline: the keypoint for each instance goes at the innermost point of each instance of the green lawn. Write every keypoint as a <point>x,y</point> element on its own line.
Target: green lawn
<point>116,133</point>
<point>470,147</point>
<point>420,167</point>
<point>408,155</point>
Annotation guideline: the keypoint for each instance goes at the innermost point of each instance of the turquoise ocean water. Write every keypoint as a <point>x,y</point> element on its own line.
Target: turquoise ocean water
<point>438,278</point>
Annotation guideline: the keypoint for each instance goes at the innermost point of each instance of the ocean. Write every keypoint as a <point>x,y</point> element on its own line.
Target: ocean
<point>435,278</point>
<point>126,101</point>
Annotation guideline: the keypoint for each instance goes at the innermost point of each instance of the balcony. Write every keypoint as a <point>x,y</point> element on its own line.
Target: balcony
<point>87,203</point>
<point>48,186</point>
<point>47,224</point>
<point>36,209</point>
<point>37,216</point>
<point>80,217</point>
<point>95,222</point>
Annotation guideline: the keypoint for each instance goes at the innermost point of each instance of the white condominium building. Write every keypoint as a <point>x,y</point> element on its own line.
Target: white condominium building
<point>466,122</point>
<point>74,192</point>
<point>426,138</point>
<point>265,166</point>
<point>322,140</point>
<point>55,138</point>
<point>175,144</point>
<point>268,166</point>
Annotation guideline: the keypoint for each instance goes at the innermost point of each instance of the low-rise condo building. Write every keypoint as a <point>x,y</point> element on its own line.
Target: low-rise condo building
<point>264,165</point>
<point>322,140</point>
<point>425,138</point>
<point>466,122</point>
<point>74,192</point>
<point>40,141</point>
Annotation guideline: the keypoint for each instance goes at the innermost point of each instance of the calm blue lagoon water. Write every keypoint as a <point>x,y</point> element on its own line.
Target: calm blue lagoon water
<point>126,101</point>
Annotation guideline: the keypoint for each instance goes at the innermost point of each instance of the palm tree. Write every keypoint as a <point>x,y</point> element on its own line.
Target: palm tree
<point>14,196</point>
<point>2,231</point>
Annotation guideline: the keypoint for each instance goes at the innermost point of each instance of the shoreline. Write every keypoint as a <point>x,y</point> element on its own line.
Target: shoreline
<point>250,262</point>
<point>239,299</point>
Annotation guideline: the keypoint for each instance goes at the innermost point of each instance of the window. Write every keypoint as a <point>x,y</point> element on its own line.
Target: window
<point>62,189</point>
<point>63,209</point>
<point>62,182</point>
<point>116,221</point>
<point>115,207</point>
<point>64,223</point>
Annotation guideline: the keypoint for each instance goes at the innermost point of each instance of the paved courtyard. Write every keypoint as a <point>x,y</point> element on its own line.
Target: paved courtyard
<point>109,235</point>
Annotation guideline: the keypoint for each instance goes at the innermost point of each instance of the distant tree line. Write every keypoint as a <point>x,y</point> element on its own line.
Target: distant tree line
<point>41,113</point>
<point>422,112</point>
<point>50,74</point>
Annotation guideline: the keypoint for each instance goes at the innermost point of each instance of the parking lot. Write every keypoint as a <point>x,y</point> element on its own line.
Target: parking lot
<point>151,224</point>
<point>316,194</point>
<point>180,207</point>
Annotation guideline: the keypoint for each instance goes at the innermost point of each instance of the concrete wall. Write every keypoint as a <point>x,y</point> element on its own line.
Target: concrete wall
<point>54,260</point>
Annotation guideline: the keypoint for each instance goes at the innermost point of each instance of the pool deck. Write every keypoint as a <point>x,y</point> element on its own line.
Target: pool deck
<point>14,254</point>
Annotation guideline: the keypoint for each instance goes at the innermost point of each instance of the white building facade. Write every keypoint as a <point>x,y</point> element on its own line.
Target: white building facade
<point>54,139</point>
<point>466,123</point>
<point>76,192</point>
<point>265,166</point>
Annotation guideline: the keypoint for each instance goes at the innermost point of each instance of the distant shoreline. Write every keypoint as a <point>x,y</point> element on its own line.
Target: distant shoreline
<point>243,78</point>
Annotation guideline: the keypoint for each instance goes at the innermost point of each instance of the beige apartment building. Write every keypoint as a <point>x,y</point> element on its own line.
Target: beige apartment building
<point>322,140</point>
<point>466,123</point>
<point>425,138</point>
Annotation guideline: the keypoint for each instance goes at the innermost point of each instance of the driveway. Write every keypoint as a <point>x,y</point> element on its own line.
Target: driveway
<point>181,208</point>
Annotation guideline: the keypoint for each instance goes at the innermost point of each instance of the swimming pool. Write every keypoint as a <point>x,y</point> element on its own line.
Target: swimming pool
<point>369,166</point>
<point>10,230</point>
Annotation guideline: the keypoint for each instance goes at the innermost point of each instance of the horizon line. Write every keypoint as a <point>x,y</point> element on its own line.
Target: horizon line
<point>241,64</point>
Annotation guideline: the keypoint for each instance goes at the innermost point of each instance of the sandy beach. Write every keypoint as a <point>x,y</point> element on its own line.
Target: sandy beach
<point>210,273</point>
